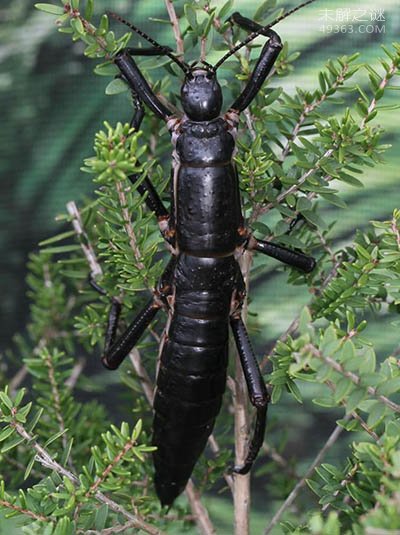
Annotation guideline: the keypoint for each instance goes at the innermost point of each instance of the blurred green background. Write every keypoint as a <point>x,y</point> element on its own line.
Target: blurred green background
<point>52,104</point>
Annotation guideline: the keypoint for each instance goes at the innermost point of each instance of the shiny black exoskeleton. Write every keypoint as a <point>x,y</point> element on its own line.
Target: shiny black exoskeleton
<point>202,288</point>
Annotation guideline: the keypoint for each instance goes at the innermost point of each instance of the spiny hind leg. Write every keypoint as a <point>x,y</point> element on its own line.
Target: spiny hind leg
<point>258,393</point>
<point>256,388</point>
<point>117,348</point>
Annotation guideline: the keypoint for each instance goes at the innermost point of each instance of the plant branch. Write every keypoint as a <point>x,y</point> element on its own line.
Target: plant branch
<point>343,484</point>
<point>241,483</point>
<point>293,495</point>
<point>56,397</point>
<point>299,182</point>
<point>129,445</point>
<point>31,514</point>
<point>385,80</point>
<point>128,226</point>
<point>309,108</point>
<point>200,513</point>
<point>87,249</point>
<point>350,375</point>
<point>145,381</point>
<point>175,27</point>
<point>46,460</point>
<point>75,374</point>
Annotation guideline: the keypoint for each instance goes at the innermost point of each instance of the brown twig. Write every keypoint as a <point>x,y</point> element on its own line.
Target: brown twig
<point>241,483</point>
<point>382,85</point>
<point>145,381</point>
<point>57,402</point>
<point>128,226</point>
<point>343,483</point>
<point>294,493</point>
<point>394,228</point>
<point>31,514</point>
<point>88,251</point>
<point>350,375</point>
<point>129,445</point>
<point>46,460</point>
<point>75,374</point>
<point>175,26</point>
<point>309,108</point>
<point>200,513</point>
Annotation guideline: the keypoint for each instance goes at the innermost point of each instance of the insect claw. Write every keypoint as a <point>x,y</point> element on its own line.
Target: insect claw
<point>242,469</point>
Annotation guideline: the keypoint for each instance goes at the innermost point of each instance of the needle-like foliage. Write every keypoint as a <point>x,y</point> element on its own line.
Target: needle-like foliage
<point>65,466</point>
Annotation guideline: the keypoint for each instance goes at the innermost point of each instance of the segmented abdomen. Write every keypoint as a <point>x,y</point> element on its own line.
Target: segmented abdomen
<point>192,375</point>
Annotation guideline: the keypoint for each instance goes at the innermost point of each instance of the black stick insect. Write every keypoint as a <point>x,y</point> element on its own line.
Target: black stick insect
<point>202,288</point>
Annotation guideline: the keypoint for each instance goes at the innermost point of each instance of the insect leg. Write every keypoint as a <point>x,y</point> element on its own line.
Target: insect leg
<point>138,84</point>
<point>113,315</point>
<point>151,51</point>
<point>264,64</point>
<point>116,350</point>
<point>258,394</point>
<point>152,200</point>
<point>115,354</point>
<point>283,254</point>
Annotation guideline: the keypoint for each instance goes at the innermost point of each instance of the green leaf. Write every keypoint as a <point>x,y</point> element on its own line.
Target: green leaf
<point>55,437</point>
<point>106,69</point>
<point>89,8</point>
<point>389,386</point>
<point>315,219</point>
<point>343,387</point>
<point>50,8</point>
<point>264,10</point>
<point>303,204</point>
<point>191,16</point>
<point>225,9</point>
<point>116,86</point>
<point>294,390</point>
<point>12,444</point>
<point>6,400</point>
<point>330,341</point>
<point>376,414</point>
<point>59,237</point>
<point>101,517</point>
<point>6,433</point>
<point>29,468</point>
<point>62,249</point>
<point>368,362</point>
<point>77,25</point>
<point>355,398</point>
<point>325,402</point>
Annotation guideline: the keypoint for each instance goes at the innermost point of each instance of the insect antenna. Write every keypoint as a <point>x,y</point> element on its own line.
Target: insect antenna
<point>166,50</point>
<point>258,32</point>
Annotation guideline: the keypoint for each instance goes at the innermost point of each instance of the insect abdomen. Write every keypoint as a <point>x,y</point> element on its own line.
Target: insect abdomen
<point>192,375</point>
